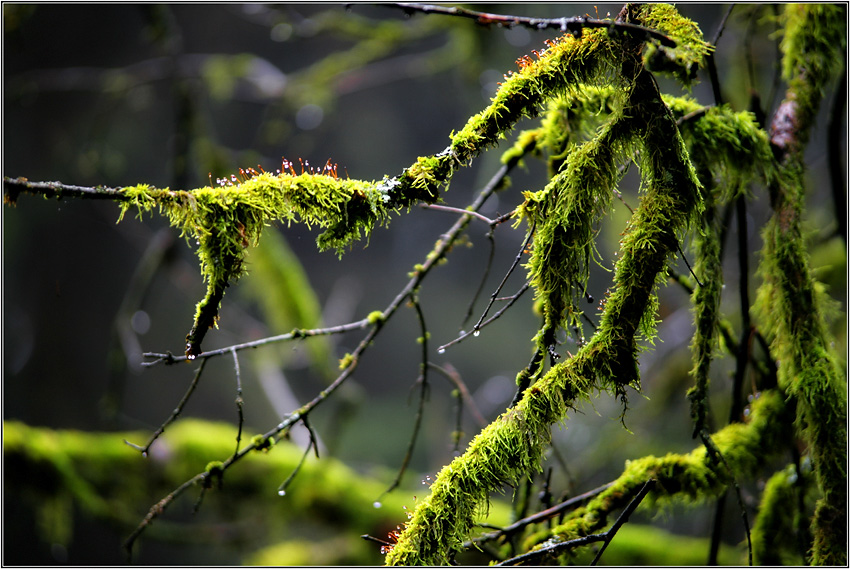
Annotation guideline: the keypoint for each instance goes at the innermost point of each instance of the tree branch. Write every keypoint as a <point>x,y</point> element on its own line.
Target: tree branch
<point>264,441</point>
<point>572,25</point>
<point>14,186</point>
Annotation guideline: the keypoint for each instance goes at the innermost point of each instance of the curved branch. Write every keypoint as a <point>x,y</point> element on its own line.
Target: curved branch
<point>572,25</point>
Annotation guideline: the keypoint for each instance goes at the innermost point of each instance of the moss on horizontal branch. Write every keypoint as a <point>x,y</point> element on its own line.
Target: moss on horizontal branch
<point>685,478</point>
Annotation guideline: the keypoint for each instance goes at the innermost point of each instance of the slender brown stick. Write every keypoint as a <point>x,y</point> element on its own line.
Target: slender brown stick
<point>572,25</point>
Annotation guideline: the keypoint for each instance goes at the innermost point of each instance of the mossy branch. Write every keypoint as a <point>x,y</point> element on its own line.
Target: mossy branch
<point>789,302</point>
<point>574,26</point>
<point>510,447</point>
<point>693,477</point>
<point>774,539</point>
<point>225,220</point>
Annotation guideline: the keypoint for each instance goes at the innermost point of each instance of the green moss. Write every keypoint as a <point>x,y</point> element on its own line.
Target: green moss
<point>683,61</point>
<point>375,317</point>
<point>566,64</point>
<point>562,215</point>
<point>789,303</point>
<point>225,221</point>
<point>685,478</point>
<point>60,473</point>
<point>346,361</point>
<point>773,534</point>
<point>814,39</point>
<point>706,302</point>
<point>640,545</point>
<point>729,148</point>
<point>262,443</point>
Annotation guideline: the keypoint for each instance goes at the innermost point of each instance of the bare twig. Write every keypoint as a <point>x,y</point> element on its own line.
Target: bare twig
<point>624,517</point>
<point>58,190</point>
<point>168,358</point>
<point>491,254</point>
<point>238,398</point>
<point>174,414</point>
<point>572,25</point>
<point>422,380</point>
<point>495,294</point>
<point>511,299</point>
<point>540,516</point>
<point>712,67</point>
<point>605,537</point>
<point>450,373</point>
<point>712,449</point>
<point>450,209</point>
<point>158,509</point>
<point>281,490</point>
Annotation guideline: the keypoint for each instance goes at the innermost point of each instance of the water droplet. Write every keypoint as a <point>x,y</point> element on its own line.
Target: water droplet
<point>441,351</point>
<point>377,505</point>
<point>476,333</point>
<point>281,492</point>
<point>144,454</point>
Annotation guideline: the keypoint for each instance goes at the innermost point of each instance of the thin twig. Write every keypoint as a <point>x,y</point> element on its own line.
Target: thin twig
<point>624,517</point>
<point>158,509</point>
<point>423,382</point>
<point>573,25</point>
<point>495,294</point>
<point>490,320</point>
<point>540,516</point>
<point>238,398</point>
<point>605,537</point>
<point>58,190</point>
<point>490,256</point>
<point>711,448</point>
<point>712,67</point>
<point>168,358</point>
<point>450,209</point>
<point>449,372</point>
<point>281,490</point>
<point>174,414</point>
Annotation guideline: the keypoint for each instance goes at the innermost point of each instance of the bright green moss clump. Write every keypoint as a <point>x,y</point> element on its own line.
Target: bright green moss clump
<point>225,221</point>
<point>683,61</point>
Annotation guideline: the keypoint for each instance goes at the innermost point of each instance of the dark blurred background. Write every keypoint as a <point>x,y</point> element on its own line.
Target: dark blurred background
<point>168,95</point>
